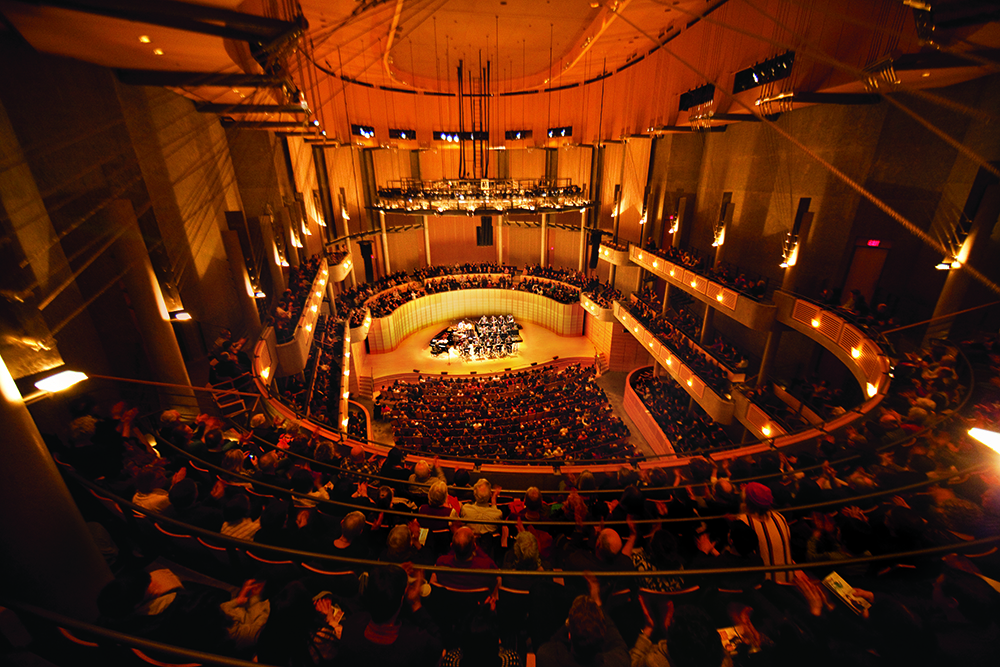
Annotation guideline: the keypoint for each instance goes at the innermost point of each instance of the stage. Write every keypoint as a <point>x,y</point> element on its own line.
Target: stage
<point>539,345</point>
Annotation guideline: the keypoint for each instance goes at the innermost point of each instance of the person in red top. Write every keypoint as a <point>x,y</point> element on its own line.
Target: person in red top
<point>465,554</point>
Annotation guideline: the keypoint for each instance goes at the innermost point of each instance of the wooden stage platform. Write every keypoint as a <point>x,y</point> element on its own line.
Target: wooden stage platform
<point>540,346</point>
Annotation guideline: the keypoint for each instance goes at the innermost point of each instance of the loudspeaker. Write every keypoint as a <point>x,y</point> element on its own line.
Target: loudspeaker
<point>595,248</point>
<point>366,254</point>
<point>484,232</point>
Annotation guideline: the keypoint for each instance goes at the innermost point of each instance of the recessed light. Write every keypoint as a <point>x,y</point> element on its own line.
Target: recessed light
<point>158,52</point>
<point>145,39</point>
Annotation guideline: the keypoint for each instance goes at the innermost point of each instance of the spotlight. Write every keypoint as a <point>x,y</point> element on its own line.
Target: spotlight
<point>989,438</point>
<point>60,381</point>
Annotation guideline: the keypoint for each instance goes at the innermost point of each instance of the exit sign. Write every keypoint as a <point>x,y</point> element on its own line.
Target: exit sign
<point>873,243</point>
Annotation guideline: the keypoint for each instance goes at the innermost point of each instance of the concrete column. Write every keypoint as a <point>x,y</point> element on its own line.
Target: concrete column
<point>545,240</point>
<point>385,242</point>
<point>146,301</point>
<point>278,282</point>
<point>790,280</point>
<point>706,325</point>
<point>427,241</point>
<point>291,252</point>
<point>583,240</point>
<point>499,239</point>
<point>767,361</point>
<point>244,291</point>
<point>48,554</point>
<point>332,298</point>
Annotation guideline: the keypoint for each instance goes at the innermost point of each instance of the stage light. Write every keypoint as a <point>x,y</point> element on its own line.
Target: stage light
<point>989,438</point>
<point>60,381</point>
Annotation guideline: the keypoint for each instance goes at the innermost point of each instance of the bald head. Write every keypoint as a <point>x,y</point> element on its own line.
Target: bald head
<point>609,544</point>
<point>357,453</point>
<point>464,543</point>
<point>352,525</point>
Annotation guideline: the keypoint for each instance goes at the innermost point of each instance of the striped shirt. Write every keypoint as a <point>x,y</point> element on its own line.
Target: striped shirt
<point>774,539</point>
<point>244,530</point>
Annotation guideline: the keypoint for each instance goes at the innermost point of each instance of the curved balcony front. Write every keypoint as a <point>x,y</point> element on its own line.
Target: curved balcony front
<point>613,255</point>
<point>856,349</point>
<point>340,267</point>
<point>718,407</point>
<point>596,311</point>
<point>292,355</point>
<point>386,333</point>
<point>749,312</point>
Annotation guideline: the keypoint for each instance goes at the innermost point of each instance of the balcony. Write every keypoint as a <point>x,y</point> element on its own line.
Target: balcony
<point>858,350</point>
<point>749,312</point>
<point>614,254</point>
<point>719,408</point>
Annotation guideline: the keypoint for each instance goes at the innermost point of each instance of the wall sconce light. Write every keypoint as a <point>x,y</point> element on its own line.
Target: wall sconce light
<point>53,383</point>
<point>766,430</point>
<point>855,352</point>
<point>60,381</point>
<point>789,251</point>
<point>872,390</point>
<point>815,323</point>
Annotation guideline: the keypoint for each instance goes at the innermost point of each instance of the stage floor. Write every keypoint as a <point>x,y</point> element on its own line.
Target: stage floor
<point>539,345</point>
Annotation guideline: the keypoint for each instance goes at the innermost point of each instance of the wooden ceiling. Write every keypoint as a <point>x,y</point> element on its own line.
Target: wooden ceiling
<point>607,68</point>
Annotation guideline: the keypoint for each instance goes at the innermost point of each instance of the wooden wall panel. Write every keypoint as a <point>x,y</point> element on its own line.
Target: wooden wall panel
<point>522,245</point>
<point>391,164</point>
<point>406,250</point>
<point>453,241</point>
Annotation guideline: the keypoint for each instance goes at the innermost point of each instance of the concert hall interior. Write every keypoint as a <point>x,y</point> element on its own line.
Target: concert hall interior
<point>634,278</point>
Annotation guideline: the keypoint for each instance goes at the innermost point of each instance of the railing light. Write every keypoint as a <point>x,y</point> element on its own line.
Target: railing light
<point>60,381</point>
